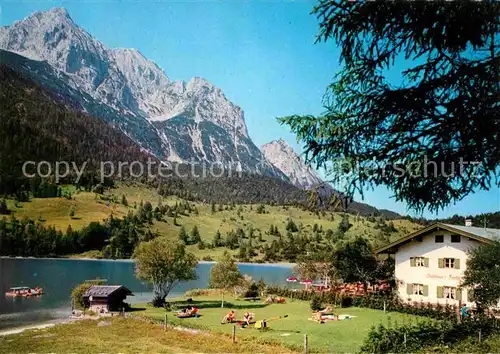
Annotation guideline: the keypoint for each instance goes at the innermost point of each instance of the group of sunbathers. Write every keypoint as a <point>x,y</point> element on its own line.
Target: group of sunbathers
<point>230,317</point>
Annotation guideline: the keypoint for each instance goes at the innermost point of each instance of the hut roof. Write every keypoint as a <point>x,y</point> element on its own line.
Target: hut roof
<point>106,290</point>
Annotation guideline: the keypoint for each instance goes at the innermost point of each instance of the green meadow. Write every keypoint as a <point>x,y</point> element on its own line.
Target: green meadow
<point>331,336</point>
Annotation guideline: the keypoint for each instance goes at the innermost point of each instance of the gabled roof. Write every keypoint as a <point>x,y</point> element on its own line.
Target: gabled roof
<point>484,235</point>
<point>105,290</point>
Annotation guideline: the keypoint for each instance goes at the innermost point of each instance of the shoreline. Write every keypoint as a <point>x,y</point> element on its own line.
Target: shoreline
<point>127,260</point>
<point>42,325</point>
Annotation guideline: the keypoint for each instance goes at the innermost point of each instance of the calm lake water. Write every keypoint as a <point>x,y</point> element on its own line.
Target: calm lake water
<point>58,277</point>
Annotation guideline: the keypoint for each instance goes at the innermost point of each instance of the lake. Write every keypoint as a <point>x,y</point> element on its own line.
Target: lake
<point>58,277</point>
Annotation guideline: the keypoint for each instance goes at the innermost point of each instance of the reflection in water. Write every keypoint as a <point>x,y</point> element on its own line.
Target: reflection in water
<point>58,277</point>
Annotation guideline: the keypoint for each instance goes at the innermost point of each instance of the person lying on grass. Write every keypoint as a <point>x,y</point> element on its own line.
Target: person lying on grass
<point>275,300</point>
<point>188,312</point>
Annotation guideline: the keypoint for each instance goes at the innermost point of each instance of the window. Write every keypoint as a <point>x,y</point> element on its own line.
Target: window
<point>439,238</point>
<point>449,262</point>
<point>455,238</point>
<point>419,238</point>
<point>449,292</point>
<point>419,262</point>
<point>418,289</point>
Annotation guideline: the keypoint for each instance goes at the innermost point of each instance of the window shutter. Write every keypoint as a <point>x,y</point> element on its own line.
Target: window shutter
<point>412,262</point>
<point>457,263</point>
<point>409,289</point>
<point>440,292</point>
<point>441,262</point>
<point>426,290</point>
<point>426,262</point>
<point>458,294</point>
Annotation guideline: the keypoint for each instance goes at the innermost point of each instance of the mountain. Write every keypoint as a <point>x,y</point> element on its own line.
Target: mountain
<point>281,155</point>
<point>174,120</point>
<point>38,124</point>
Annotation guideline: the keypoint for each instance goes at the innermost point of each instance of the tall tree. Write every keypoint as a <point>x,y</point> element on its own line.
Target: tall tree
<point>163,264</point>
<point>316,266</point>
<point>183,236</point>
<point>430,136</point>
<point>225,274</point>
<point>483,274</point>
<point>356,262</point>
<point>195,235</point>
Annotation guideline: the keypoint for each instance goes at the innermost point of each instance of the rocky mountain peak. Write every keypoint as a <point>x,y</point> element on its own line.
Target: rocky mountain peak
<point>136,87</point>
<point>281,155</point>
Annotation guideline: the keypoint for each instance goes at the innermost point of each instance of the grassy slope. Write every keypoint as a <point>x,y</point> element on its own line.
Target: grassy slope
<point>89,208</point>
<point>124,336</point>
<point>334,336</point>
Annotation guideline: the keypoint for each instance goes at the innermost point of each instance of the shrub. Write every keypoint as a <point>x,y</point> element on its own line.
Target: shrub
<point>80,289</point>
<point>374,301</point>
<point>316,303</point>
<point>410,338</point>
<point>3,207</point>
<point>252,291</point>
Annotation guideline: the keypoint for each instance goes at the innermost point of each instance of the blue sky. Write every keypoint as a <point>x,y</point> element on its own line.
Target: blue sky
<point>261,54</point>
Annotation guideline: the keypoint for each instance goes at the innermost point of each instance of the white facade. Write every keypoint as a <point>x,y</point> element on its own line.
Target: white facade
<point>428,270</point>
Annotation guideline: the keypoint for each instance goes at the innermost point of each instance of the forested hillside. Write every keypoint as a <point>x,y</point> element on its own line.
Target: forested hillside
<point>489,220</point>
<point>35,126</point>
<point>110,223</point>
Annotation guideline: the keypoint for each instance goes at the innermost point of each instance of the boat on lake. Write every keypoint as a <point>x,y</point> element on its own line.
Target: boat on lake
<point>24,291</point>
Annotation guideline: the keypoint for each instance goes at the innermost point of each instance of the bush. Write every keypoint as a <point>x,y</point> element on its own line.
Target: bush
<point>410,338</point>
<point>373,301</point>
<point>3,207</point>
<point>201,292</point>
<point>347,301</point>
<point>79,291</point>
<point>252,291</point>
<point>316,303</point>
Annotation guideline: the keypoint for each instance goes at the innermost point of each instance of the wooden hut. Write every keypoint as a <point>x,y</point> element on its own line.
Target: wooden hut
<point>106,298</point>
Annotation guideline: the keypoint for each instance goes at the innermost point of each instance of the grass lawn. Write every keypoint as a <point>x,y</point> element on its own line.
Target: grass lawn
<point>124,336</point>
<point>333,336</point>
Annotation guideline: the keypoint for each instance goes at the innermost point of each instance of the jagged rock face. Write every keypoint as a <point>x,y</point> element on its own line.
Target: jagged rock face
<point>159,114</point>
<point>281,155</point>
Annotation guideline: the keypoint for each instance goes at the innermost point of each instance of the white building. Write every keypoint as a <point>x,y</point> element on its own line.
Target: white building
<point>430,263</point>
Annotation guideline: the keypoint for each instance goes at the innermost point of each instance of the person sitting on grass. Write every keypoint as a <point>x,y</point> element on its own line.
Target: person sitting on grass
<point>229,318</point>
<point>247,318</point>
<point>327,310</point>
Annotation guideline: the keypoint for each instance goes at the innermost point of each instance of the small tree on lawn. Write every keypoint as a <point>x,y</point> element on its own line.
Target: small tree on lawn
<point>72,212</point>
<point>483,274</point>
<point>355,261</point>
<point>195,235</point>
<point>183,236</point>
<point>316,303</point>
<point>225,274</point>
<point>163,264</point>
